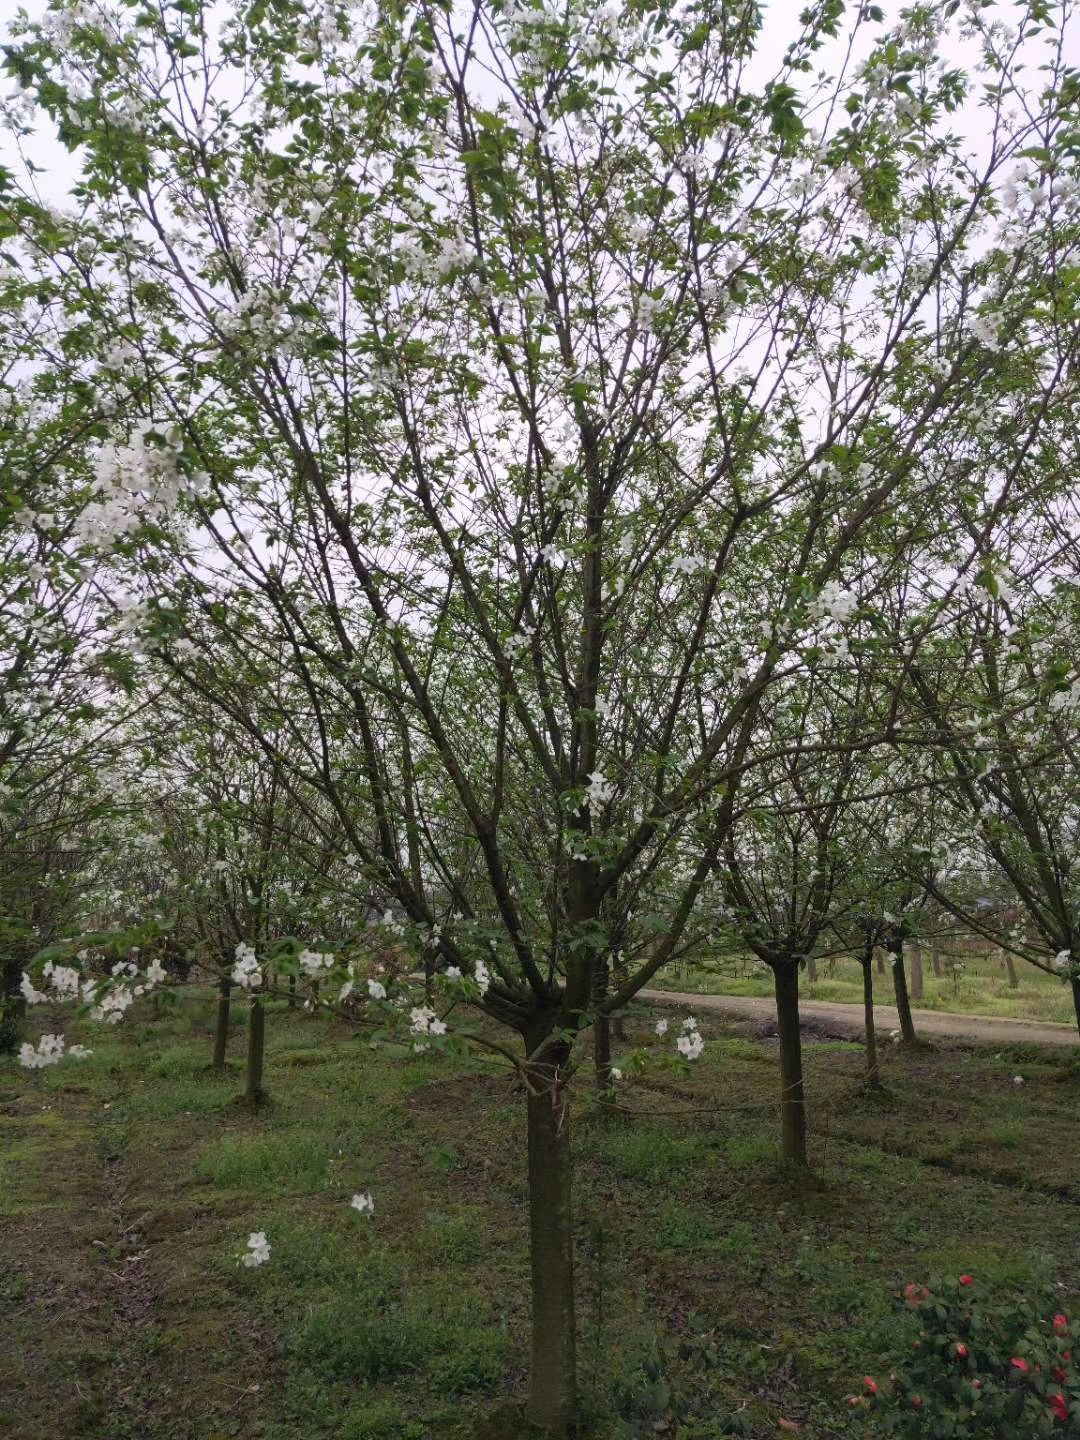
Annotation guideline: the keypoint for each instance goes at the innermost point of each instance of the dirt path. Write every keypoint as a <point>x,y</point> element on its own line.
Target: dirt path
<point>849,1018</point>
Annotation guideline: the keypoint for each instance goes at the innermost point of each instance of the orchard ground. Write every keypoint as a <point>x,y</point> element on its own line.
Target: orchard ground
<point>129,1185</point>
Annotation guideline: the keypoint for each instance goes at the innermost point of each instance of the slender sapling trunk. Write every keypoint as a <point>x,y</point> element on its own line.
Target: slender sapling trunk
<point>792,1090</point>
<point>221,1025</point>
<point>873,1072</point>
<point>903,1003</point>
<point>254,1091</point>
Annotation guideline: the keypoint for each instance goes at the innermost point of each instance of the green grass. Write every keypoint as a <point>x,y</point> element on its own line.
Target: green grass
<point>981,988</point>
<point>129,1185</point>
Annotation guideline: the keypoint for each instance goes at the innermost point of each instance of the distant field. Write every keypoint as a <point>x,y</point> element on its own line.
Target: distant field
<point>980,988</point>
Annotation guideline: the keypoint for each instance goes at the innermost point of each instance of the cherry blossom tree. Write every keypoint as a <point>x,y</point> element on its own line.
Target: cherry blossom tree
<point>543,388</point>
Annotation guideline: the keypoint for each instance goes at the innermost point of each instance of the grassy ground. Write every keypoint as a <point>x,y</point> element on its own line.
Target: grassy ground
<point>129,1183</point>
<point>981,988</point>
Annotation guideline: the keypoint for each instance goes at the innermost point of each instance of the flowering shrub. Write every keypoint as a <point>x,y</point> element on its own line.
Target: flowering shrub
<point>1003,1371</point>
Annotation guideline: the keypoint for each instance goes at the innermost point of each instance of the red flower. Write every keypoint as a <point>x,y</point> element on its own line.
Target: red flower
<point>1059,1407</point>
<point>962,1352</point>
<point>1058,1375</point>
<point>1061,1324</point>
<point>1019,1364</point>
<point>1066,1355</point>
<point>869,1385</point>
<point>966,1280</point>
<point>916,1402</point>
<point>976,1384</point>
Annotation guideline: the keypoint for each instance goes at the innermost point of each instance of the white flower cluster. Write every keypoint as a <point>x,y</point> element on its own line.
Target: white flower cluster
<point>315,963</point>
<point>647,308</point>
<point>481,974</point>
<point>258,318</point>
<point>258,1250</point>
<point>985,329</point>
<point>108,1001</point>
<point>604,37</point>
<point>50,1050</point>
<point>833,603</point>
<point>392,923</point>
<point>690,1044</point>
<point>423,1021</point>
<point>137,480</point>
<point>363,1203</point>
<point>246,972</point>
<point>454,253</point>
<point>598,791</point>
<point>66,983</point>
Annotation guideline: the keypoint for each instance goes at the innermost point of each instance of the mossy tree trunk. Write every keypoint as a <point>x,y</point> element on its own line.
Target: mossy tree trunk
<point>792,1089</point>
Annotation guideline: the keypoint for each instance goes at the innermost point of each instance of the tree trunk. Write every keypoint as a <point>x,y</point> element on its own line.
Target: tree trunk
<point>292,992</point>
<point>601,1032</point>
<point>605,1088</point>
<point>620,972</point>
<point>880,961</point>
<point>1010,966</point>
<point>915,952</point>
<point>12,1005</point>
<point>903,1004</point>
<point>221,1027</point>
<point>935,960</point>
<point>811,969</point>
<point>254,1091</point>
<point>552,1402</point>
<point>792,1092</point>
<point>1076,998</point>
<point>873,1073</point>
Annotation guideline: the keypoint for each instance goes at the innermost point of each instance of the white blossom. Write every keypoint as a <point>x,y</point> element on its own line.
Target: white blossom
<point>598,791</point>
<point>315,962</point>
<point>258,1250</point>
<point>246,972</point>
<point>690,1045</point>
